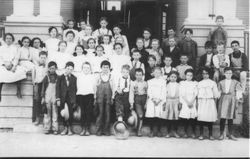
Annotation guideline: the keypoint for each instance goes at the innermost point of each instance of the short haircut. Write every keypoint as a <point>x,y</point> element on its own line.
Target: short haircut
<point>118,44</point>
<point>70,32</point>
<point>135,51</point>
<point>208,70</point>
<point>8,34</point>
<point>152,56</point>
<point>188,30</point>
<point>117,26</point>
<point>173,72</point>
<point>99,46</point>
<point>189,70</point>
<point>139,38</point>
<point>139,70</point>
<point>51,28</point>
<point>109,36</point>
<point>183,55</point>
<point>86,63</point>
<point>90,40</point>
<point>219,17</point>
<point>43,53</point>
<point>70,20</point>
<point>166,56</point>
<point>52,63</point>
<point>235,42</point>
<point>209,44</point>
<point>171,28</point>
<point>103,18</point>
<point>125,67</point>
<point>69,63</point>
<point>157,68</point>
<point>36,38</point>
<point>147,29</point>
<point>105,63</point>
<point>228,69</point>
<point>220,43</point>
<point>60,42</point>
<point>156,40</point>
<point>83,20</point>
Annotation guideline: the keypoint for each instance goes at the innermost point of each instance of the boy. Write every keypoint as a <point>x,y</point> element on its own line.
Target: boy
<point>122,94</point>
<point>142,50</point>
<point>239,62</point>
<point>38,75</point>
<point>173,51</point>
<point>49,97</point>
<point>167,68</point>
<point>71,44</point>
<point>183,66</point>
<point>82,32</point>
<point>147,32</point>
<point>189,47</point>
<point>70,24</point>
<point>103,30</point>
<point>66,93</point>
<point>171,34</point>
<point>136,64</point>
<point>104,99</point>
<point>219,34</point>
<point>138,97</point>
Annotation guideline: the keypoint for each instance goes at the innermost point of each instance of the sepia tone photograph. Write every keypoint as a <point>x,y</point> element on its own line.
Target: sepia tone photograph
<point>124,78</point>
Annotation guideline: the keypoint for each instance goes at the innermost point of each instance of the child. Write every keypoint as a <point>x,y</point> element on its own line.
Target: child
<point>104,99</point>
<point>49,98</point>
<point>79,56</point>
<point>231,93</point>
<point>97,60</point>
<point>66,94</point>
<point>220,61</point>
<point>167,68</point>
<point>172,104</point>
<point>156,51</point>
<point>156,102</point>
<point>91,47</point>
<point>108,46</point>
<point>171,34</point>
<point>138,97</point>
<point>82,32</point>
<point>188,94</point>
<point>147,32</point>
<point>125,49</point>
<point>52,43</point>
<point>38,75</point>
<point>183,66</point>
<point>88,34</point>
<point>189,47</point>
<point>136,64</point>
<point>150,67</point>
<point>219,34</point>
<point>117,32</point>
<point>71,24</point>
<point>71,44</point>
<point>122,85</point>
<point>142,50</point>
<point>38,46</point>
<point>85,97</point>
<point>207,111</point>
<point>102,30</point>
<point>239,63</point>
<point>173,51</point>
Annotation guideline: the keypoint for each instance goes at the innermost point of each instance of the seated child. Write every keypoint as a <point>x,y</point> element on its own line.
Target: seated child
<point>149,70</point>
<point>97,60</point>
<point>156,51</point>
<point>108,46</point>
<point>71,24</point>
<point>173,51</point>
<point>91,47</point>
<point>167,67</point>
<point>183,66</point>
<point>142,50</point>
<point>103,30</point>
<point>71,44</point>
<point>136,64</point>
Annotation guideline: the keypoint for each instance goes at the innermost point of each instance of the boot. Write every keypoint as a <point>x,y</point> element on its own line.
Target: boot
<point>65,131</point>
<point>221,137</point>
<point>231,137</point>
<point>87,133</point>
<point>37,121</point>
<point>69,131</point>
<point>83,132</point>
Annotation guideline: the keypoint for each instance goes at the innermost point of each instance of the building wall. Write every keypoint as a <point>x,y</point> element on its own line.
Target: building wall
<point>242,11</point>
<point>6,9</point>
<point>67,9</point>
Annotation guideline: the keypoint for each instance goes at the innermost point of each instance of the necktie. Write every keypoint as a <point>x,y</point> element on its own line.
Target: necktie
<point>126,82</point>
<point>67,80</point>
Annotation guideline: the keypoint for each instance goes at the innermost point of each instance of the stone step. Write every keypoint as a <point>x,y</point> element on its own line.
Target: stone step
<point>11,100</point>
<point>10,89</point>
<point>15,111</point>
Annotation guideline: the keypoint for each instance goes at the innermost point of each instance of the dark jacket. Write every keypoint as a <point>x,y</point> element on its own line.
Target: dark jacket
<point>190,50</point>
<point>245,62</point>
<point>165,43</point>
<point>62,89</point>
<point>203,60</point>
<point>175,55</point>
<point>48,78</point>
<point>144,56</point>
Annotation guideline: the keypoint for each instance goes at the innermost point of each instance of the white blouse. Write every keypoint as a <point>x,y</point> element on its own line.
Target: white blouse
<point>9,54</point>
<point>85,84</point>
<point>52,44</point>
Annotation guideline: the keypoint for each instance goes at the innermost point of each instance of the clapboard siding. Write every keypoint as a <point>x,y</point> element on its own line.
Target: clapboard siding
<point>67,9</point>
<point>242,11</point>
<point>9,89</point>
<point>14,101</point>
<point>181,14</point>
<point>6,9</point>
<point>12,112</point>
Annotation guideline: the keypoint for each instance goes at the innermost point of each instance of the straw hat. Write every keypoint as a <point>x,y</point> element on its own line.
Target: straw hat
<point>65,112</point>
<point>77,113</point>
<point>121,130</point>
<point>133,119</point>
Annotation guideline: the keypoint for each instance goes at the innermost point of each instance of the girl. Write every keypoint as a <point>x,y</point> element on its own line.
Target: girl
<point>117,32</point>
<point>207,111</point>
<point>108,46</point>
<point>70,27</point>
<point>136,64</point>
<point>79,56</point>
<point>120,39</point>
<point>87,36</point>
<point>156,102</point>
<point>142,50</point>
<point>147,32</point>
<point>81,32</point>
<point>231,94</point>
<point>167,68</point>
<point>85,96</point>
<point>188,93</point>
<point>150,67</point>
<point>102,30</point>
<point>9,69</point>
<point>26,54</point>
<point>91,47</point>
<point>156,51</point>
<point>71,44</point>
<point>52,42</point>
<point>97,60</point>
<point>172,104</point>
<point>38,45</point>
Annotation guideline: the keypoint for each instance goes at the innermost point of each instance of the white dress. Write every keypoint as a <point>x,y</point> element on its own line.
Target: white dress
<point>90,53</point>
<point>61,59</point>
<point>207,92</point>
<point>10,54</point>
<point>156,89</point>
<point>25,59</point>
<point>189,90</point>
<point>108,50</point>
<point>52,44</point>
<point>70,48</point>
<point>96,63</point>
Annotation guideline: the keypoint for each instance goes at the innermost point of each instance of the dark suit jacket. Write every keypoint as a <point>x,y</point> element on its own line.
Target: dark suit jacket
<point>175,55</point>
<point>203,60</point>
<point>62,89</point>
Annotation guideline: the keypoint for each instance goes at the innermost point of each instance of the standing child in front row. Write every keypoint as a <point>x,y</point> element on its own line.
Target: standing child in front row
<point>49,97</point>
<point>207,111</point>
<point>183,66</point>
<point>136,64</point>
<point>66,94</point>
<point>172,104</point>
<point>188,94</point>
<point>231,93</point>
<point>138,97</point>
<point>156,102</point>
<point>149,70</point>
<point>38,75</point>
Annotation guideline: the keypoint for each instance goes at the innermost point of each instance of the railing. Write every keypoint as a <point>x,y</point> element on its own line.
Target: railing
<point>2,30</point>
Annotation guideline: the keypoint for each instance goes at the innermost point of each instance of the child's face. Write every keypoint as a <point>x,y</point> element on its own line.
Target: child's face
<point>188,35</point>
<point>105,68</point>
<point>220,49</point>
<point>235,47</point>
<point>155,45</point>
<point>209,50</point>
<point>83,25</point>
<point>79,51</point>
<point>136,56</point>
<point>167,61</point>
<point>118,49</point>
<point>184,59</point>
<point>91,44</point>
<point>52,69</point>
<point>219,22</point>
<point>103,23</point>
<point>151,62</point>
<point>71,25</point>
<point>228,74</point>
<point>189,76</point>
<point>99,51</point>
<point>70,37</point>
<point>36,44</point>
<point>106,40</point>
<point>69,70</point>
<point>42,59</point>
<point>171,33</point>
<point>60,37</point>
<point>86,69</point>
<point>116,30</point>
<point>62,47</point>
<point>173,78</point>
<point>139,43</point>
<point>125,73</point>
<point>88,30</point>
<point>146,34</point>
<point>138,76</point>
<point>53,33</point>
<point>205,74</point>
<point>157,73</point>
<point>8,40</point>
<point>119,40</point>
<point>26,42</point>
<point>171,42</point>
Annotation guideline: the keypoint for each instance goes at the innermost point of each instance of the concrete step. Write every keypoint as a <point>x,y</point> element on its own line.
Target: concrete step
<point>26,101</point>
<point>15,111</point>
<point>10,89</point>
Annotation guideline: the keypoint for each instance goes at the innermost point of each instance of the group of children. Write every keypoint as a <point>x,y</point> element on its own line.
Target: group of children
<point>97,71</point>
